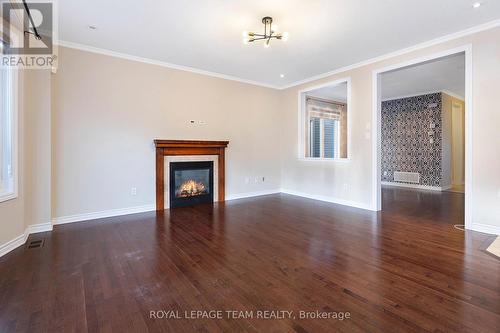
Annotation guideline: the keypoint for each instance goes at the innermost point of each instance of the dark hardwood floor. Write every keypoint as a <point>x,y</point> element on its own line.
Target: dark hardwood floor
<point>405,269</point>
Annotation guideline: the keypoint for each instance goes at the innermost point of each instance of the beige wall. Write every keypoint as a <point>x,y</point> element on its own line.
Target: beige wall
<point>107,111</point>
<point>37,151</point>
<point>458,141</point>
<point>351,181</point>
<point>453,141</point>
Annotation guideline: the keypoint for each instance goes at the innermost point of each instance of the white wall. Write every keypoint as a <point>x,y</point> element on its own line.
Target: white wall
<point>107,112</point>
<point>351,181</point>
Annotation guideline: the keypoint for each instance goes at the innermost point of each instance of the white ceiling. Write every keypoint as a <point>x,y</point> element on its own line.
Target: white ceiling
<point>336,92</point>
<point>206,34</point>
<point>445,74</point>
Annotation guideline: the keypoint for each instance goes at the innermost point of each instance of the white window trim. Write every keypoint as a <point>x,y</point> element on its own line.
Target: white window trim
<point>302,120</point>
<point>5,196</point>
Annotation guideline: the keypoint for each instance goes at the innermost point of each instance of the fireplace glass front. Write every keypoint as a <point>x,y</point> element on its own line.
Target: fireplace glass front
<point>191,183</point>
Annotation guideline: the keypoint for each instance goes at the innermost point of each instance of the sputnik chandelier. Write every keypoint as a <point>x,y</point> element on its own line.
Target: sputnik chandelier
<point>269,33</point>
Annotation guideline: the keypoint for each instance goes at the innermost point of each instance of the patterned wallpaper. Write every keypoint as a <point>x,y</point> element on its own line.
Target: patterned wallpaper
<point>405,139</point>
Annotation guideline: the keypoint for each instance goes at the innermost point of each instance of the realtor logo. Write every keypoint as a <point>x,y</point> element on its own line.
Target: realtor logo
<point>33,46</point>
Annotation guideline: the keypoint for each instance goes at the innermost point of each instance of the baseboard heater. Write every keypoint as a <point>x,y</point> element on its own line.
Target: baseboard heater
<point>407,177</point>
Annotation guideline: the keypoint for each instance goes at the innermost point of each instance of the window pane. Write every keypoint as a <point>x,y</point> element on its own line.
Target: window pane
<point>325,121</point>
<point>330,136</point>
<point>315,138</point>
<point>6,132</point>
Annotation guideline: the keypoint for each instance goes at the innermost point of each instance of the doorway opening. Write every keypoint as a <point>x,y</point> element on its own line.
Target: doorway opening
<point>422,117</point>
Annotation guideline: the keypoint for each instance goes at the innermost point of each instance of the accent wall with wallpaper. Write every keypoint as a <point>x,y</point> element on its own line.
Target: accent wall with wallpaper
<point>417,138</point>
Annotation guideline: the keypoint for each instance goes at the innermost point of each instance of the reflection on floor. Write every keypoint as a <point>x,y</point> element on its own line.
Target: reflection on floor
<point>405,269</point>
<point>442,207</point>
<point>457,188</point>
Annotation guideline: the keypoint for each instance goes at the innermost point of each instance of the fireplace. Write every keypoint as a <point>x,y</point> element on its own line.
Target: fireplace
<point>191,183</point>
<point>187,151</point>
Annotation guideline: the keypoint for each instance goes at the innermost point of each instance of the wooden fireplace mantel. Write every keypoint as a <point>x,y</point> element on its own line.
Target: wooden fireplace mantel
<point>187,147</point>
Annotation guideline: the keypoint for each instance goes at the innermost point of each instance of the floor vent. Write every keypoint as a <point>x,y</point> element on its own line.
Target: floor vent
<point>407,177</point>
<point>35,243</point>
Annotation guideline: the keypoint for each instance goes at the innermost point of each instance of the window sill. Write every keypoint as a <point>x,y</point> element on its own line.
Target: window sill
<point>6,196</point>
<point>323,159</point>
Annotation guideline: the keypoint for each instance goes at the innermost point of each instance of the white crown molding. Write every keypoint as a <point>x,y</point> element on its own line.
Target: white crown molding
<point>125,56</point>
<point>411,95</point>
<point>21,239</point>
<point>442,39</point>
<point>432,42</point>
<point>452,94</point>
<point>329,199</point>
<point>447,92</point>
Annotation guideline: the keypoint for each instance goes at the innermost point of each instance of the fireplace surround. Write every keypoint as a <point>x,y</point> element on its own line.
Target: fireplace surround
<point>190,151</point>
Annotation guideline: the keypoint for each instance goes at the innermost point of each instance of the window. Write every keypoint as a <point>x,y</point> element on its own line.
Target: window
<point>7,135</point>
<point>324,111</point>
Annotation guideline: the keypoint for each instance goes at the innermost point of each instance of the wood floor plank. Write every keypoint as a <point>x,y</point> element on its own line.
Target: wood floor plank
<point>405,269</point>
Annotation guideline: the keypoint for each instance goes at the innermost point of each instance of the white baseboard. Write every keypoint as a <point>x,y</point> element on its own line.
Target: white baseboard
<point>12,244</point>
<point>21,239</point>
<point>138,209</point>
<point>251,194</point>
<point>102,214</point>
<point>338,201</point>
<point>417,186</point>
<point>486,228</point>
<point>42,227</point>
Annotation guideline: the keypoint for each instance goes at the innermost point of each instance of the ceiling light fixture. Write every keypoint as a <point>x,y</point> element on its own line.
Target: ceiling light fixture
<point>282,75</point>
<point>476,5</point>
<point>269,33</point>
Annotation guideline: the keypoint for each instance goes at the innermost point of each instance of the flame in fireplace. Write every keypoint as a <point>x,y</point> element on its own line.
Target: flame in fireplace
<point>191,188</point>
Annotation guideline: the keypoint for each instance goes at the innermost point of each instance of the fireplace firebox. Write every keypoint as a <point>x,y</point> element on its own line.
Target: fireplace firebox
<point>191,183</point>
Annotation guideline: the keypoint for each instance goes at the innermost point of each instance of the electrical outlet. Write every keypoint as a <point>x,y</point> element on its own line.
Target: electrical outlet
<point>431,140</point>
<point>256,180</point>
<point>346,187</point>
<point>133,191</point>
<point>247,180</point>
<point>385,173</point>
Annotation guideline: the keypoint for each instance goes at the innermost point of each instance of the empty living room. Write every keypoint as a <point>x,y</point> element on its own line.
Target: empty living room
<point>250,166</point>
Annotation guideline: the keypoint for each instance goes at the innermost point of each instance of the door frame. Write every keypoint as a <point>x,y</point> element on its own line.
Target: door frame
<point>376,120</point>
